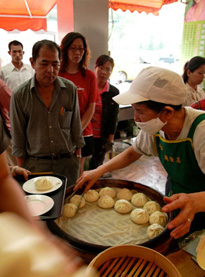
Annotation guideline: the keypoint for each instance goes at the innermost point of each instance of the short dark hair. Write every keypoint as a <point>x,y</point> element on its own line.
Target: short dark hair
<point>65,45</point>
<point>14,42</point>
<point>48,43</point>
<point>101,60</point>
<point>157,107</point>
<point>192,65</point>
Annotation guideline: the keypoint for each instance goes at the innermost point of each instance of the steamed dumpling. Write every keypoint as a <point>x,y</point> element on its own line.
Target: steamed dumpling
<point>107,191</point>
<point>124,194</point>
<point>91,195</point>
<point>159,218</point>
<point>106,202</point>
<point>69,210</point>
<point>122,206</point>
<point>139,216</point>
<point>76,199</point>
<point>151,207</point>
<point>42,184</point>
<point>139,199</point>
<point>154,230</point>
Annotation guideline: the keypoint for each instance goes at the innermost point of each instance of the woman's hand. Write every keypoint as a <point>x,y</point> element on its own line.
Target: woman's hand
<point>182,222</point>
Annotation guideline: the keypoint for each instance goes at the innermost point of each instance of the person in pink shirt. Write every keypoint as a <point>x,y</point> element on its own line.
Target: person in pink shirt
<point>75,57</point>
<point>196,12</point>
<point>104,121</point>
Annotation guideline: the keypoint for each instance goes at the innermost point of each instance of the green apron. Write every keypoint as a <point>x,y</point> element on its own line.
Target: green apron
<point>178,159</point>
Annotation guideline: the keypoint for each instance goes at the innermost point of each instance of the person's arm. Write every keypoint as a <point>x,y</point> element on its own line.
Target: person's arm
<point>122,160</point>
<point>189,204</point>
<point>11,195</point>
<point>86,118</point>
<point>19,123</point>
<point>5,96</point>
<point>17,170</point>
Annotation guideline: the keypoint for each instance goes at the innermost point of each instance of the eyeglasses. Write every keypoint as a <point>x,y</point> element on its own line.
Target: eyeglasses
<point>74,49</point>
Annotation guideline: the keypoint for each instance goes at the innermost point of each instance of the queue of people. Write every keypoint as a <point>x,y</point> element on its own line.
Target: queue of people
<point>68,140</point>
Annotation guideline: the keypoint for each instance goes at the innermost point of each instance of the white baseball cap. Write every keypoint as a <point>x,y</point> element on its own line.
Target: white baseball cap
<point>156,84</point>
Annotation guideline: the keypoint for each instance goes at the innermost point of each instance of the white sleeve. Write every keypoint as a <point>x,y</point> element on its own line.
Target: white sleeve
<point>145,144</point>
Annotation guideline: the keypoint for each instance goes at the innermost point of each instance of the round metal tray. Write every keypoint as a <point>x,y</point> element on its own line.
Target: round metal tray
<point>160,243</point>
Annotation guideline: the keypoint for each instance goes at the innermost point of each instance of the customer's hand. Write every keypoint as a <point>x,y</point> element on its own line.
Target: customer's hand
<point>17,170</point>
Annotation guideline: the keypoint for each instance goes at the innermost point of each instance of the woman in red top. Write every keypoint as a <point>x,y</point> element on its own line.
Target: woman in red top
<point>75,57</point>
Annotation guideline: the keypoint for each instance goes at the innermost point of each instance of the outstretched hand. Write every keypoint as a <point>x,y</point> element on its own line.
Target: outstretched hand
<point>182,222</point>
<point>88,179</point>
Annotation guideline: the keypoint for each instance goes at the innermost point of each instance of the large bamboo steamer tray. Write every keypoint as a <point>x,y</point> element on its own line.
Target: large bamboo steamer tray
<point>132,261</point>
<point>88,251</point>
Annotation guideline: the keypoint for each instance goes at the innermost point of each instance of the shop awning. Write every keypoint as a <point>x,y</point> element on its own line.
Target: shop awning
<point>24,14</point>
<point>148,6</point>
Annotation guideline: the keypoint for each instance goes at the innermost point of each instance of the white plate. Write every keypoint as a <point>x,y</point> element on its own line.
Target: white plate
<point>29,186</point>
<point>39,204</point>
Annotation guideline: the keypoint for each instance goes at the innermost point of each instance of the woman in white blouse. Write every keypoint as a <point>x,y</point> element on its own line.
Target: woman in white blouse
<point>194,71</point>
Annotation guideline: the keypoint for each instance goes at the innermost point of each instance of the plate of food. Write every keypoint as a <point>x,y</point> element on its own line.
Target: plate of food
<point>39,204</point>
<point>42,185</point>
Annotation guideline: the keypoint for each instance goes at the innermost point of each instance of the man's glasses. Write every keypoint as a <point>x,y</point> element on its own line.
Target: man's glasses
<point>75,49</point>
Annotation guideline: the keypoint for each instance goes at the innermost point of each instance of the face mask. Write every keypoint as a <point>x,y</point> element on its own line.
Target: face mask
<point>152,126</point>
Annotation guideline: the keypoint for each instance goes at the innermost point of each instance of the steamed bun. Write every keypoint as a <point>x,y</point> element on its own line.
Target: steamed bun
<point>91,195</point>
<point>106,202</point>
<point>107,191</point>
<point>139,199</point>
<point>159,218</point>
<point>69,210</point>
<point>122,206</point>
<point>76,199</point>
<point>43,184</point>
<point>151,207</point>
<point>139,216</point>
<point>124,194</point>
<point>154,230</point>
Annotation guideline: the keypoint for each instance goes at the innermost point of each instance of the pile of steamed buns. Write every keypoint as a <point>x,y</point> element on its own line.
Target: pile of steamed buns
<point>142,210</point>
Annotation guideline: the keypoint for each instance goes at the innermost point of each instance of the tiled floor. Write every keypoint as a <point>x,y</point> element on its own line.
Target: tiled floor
<point>147,171</point>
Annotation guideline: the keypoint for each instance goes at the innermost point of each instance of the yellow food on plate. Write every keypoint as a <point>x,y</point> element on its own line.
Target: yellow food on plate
<point>123,206</point>
<point>139,199</point>
<point>91,195</point>
<point>42,184</point>
<point>151,207</point>
<point>69,210</point>
<point>106,202</point>
<point>159,218</point>
<point>154,230</point>
<point>139,216</point>
<point>124,194</point>
<point>107,191</point>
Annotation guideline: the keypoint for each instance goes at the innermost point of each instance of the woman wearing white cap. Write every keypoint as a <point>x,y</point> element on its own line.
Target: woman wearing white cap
<point>174,133</point>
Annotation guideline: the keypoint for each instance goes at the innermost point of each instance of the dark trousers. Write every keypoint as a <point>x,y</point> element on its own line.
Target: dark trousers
<point>98,154</point>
